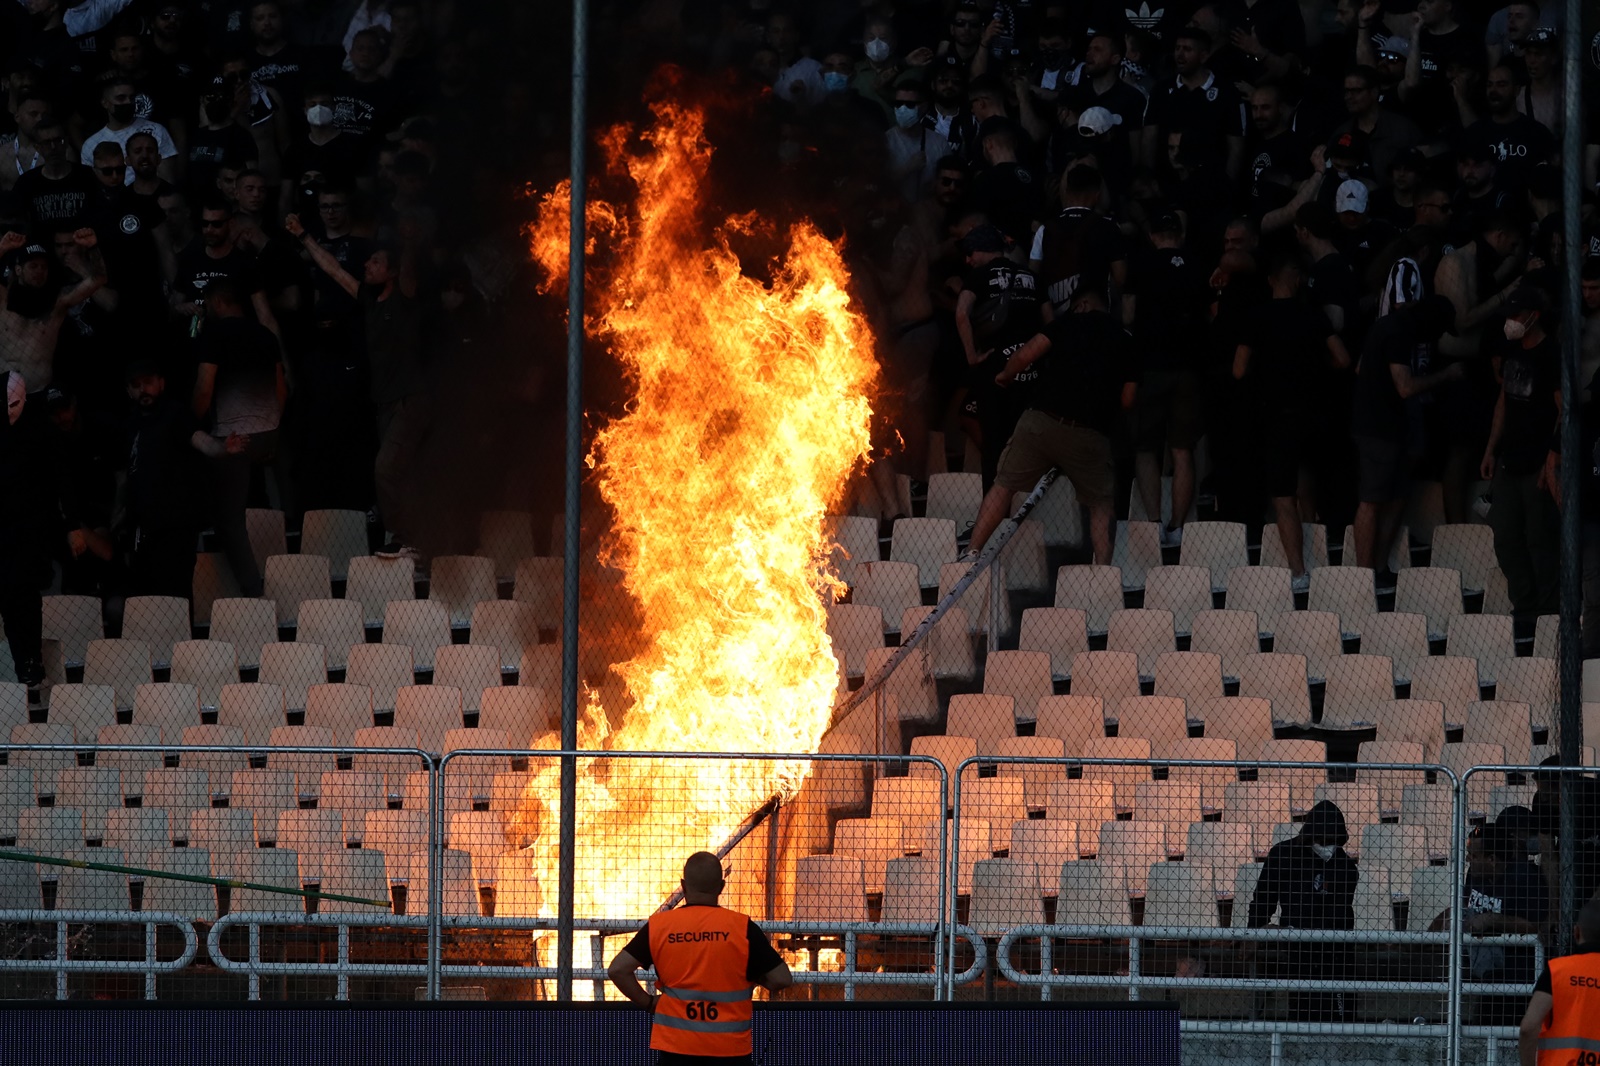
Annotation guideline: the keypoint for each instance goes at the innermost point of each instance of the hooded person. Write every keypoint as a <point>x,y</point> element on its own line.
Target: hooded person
<point>1310,883</point>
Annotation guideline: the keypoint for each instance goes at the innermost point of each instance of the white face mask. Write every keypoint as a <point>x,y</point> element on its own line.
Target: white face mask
<point>1515,330</point>
<point>319,115</point>
<point>1323,851</point>
<point>905,117</point>
<point>877,49</point>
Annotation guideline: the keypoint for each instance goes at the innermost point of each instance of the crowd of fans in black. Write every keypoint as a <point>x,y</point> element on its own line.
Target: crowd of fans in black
<point>253,253</point>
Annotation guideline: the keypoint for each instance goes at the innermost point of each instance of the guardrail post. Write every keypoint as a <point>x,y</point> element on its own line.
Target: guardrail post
<point>150,960</point>
<point>255,961</point>
<point>343,992</point>
<point>61,957</point>
<point>1458,822</point>
<point>435,876</point>
<point>948,881</point>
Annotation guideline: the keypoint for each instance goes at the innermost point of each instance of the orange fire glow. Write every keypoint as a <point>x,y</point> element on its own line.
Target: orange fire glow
<point>749,410</point>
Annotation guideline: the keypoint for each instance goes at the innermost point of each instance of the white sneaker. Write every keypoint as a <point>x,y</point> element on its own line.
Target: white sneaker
<point>1172,538</point>
<point>399,551</point>
<point>1300,583</point>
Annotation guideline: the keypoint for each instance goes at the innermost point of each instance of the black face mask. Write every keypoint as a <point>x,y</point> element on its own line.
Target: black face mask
<point>122,112</point>
<point>29,301</point>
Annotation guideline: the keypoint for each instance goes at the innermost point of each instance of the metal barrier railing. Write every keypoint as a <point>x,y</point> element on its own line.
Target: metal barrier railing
<point>62,964</point>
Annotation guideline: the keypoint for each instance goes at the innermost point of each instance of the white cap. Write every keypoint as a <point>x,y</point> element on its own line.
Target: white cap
<point>1352,196</point>
<point>1096,120</point>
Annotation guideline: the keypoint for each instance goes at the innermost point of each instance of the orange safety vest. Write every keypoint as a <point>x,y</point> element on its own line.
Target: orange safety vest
<point>1571,1033</point>
<point>701,955</point>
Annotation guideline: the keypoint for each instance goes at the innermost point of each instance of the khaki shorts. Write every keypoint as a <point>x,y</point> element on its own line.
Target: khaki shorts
<point>1081,454</point>
<point>1169,411</point>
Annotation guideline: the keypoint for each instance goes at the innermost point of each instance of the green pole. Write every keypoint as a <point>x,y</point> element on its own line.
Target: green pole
<point>84,864</point>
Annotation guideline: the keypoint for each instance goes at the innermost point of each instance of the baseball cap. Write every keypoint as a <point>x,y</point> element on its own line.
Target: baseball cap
<point>1541,37</point>
<point>984,238</point>
<point>1397,47</point>
<point>1096,120</point>
<point>56,399</point>
<point>1352,196</point>
<point>1167,222</point>
<point>949,63</point>
<point>1525,298</point>
<point>1351,144</point>
<point>32,251</point>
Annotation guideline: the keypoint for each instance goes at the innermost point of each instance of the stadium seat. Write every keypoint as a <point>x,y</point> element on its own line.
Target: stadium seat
<point>975,601</point>
<point>1256,805</point>
<point>1059,513</point>
<point>927,543</point>
<point>998,800</point>
<point>91,789</point>
<point>947,646</point>
<point>1503,722</point>
<point>1135,846</point>
<point>266,866</point>
<point>1390,783</point>
<point>540,668</point>
<point>829,888</point>
<point>910,687</point>
<point>1044,845</point>
<point>842,786</point>
<point>1086,803</point>
<point>207,665</point>
<point>1218,547</point>
<point>911,890</point>
<point>394,767</point>
<point>333,625</point>
<point>1451,680</point>
<point>956,497</point>
<point>1231,635</point>
<point>890,586</point>
<point>374,583</point>
<point>190,899</point>
<point>1192,676</point>
<point>1468,549</point>
<point>13,706</point>
<point>220,763</point>
<point>1280,678</point>
<point>1158,719</point>
<point>133,763</point>
<point>299,736</point>
<point>1462,757</point>
<point>949,751</point>
<point>1219,846</point>
<point>92,890</point>
<point>352,793</point>
<point>421,625</point>
<point>1302,782</point>
<point>969,842</point>
<point>159,622</point>
<point>42,733</point>
<point>316,835</point>
<point>873,841</point>
<point>1005,894</point>
<point>254,709</point>
<point>122,664</point>
<point>357,872</point>
<point>1060,632</point>
<point>1243,720</point>
<point>136,830</point>
<point>1496,595</point>
<point>506,626</point>
<point>1244,892</point>
<point>1022,675</point>
<point>336,535</point>
<point>1175,804</point>
<point>1183,590</point>
<point>459,888</point>
<point>396,833</point>
<point>1314,546</point>
<point>1313,634</point>
<point>341,709</point>
<point>1433,890</point>
<point>264,793</point>
<point>1398,849</point>
<point>908,799</point>
<point>1415,721</point>
<point>506,537</point>
<point>268,537</point>
<point>1074,720</point>
<point>1431,591</point>
<point>1485,638</point>
<point>1399,552</point>
<point>472,668</point>
<point>176,790</point>
<point>456,583</point>
<point>1094,590</point>
<point>432,710</point>
<point>1533,681</point>
<point>1135,551</point>
<point>1127,774</point>
<point>1025,560</point>
<point>74,621</point>
<point>1503,796</point>
<point>212,580</point>
<point>1180,896</point>
<point>1144,633</point>
<point>290,580</point>
<point>383,668</point>
<point>293,668</point>
<point>1373,902</point>
<point>1213,781</point>
<point>222,830</point>
<point>1110,675</point>
<point>85,708</point>
<point>1036,778</point>
<point>1093,894</point>
<point>855,542</point>
<point>854,628</point>
<point>247,624</point>
<point>1264,591</point>
<point>1401,636</point>
<point>1357,684</point>
<point>520,713</point>
<point>1347,591</point>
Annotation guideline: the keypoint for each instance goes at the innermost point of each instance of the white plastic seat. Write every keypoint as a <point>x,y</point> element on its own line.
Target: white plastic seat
<point>1534,681</point>
<point>1302,783</point>
<point>950,751</point>
<point>299,736</point>
<point>1192,676</point>
<point>1546,636</point>
<point>383,668</point>
<point>518,712</point>
<point>207,665</point>
<point>294,668</point>
<point>456,583</point>
<point>333,625</point>
<point>122,664</point>
<point>1183,590</point>
<point>1093,893</point>
<point>1451,680</point>
<point>1180,896</point>
<point>505,537</point>
<point>1313,634</point>
<point>927,543</point>
<point>955,496</point>
<point>1231,635</point>
<point>1390,783</point>
<point>1431,591</point>
<point>1415,721</point>
<point>352,793</point>
<point>136,830</point>
<point>74,621</point>
<point>829,888</point>
<point>1094,590</point>
<point>1218,547</point>
<point>160,622</point>
<point>855,542</point>
<point>1265,591</point>
<point>289,580</point>
<point>910,889</point>
<point>1244,893</point>
<point>1036,778</point>
<point>393,767</point>
<point>1175,804</point>
<point>1110,675</point>
<point>1221,846</point>
<point>421,625</point>
<point>872,841</point>
<point>1256,805</point>
<point>506,626</point>
<point>471,668</point>
<point>1373,902</point>
<point>1128,773</point>
<point>910,686</point>
<point>50,830</point>
<point>908,799</point>
<point>1073,720</point>
<point>1022,675</point>
<point>220,763</point>
<point>1059,513</point>
<point>1431,807</point>
<point>948,645</point>
<point>1314,545</point>
<point>374,583</point>
<point>460,888</point>
<point>86,708</point>
<point>854,629</point>
<point>1467,548</point>
<point>13,706</point>
<point>432,710</point>
<point>1158,719</point>
<point>177,790</point>
<point>1060,632</point>
<point>1213,780</point>
<point>173,896</point>
<point>92,890</point>
<point>975,601</point>
<point>891,586</point>
<point>1145,633</point>
<point>1503,722</point>
<point>132,763</point>
<point>1245,721</point>
<point>1045,846</point>
<point>1503,796</point>
<point>997,800</point>
<point>540,668</point>
<point>254,709</point>
<point>341,709</point>
<point>42,733</point>
<point>1005,893</point>
<point>247,624</point>
<point>539,586</point>
<point>1399,849</point>
<point>1280,678</point>
<point>1135,551</point>
<point>1086,803</point>
<point>222,830</point>
<point>1350,592</point>
<point>1025,558</point>
<point>357,872</point>
<point>263,793</point>
<point>315,835</point>
<point>336,535</point>
<point>1462,757</point>
<point>1135,846</point>
<point>1485,638</point>
<point>92,790</point>
<point>1400,635</point>
<point>1357,684</point>
<point>266,866</point>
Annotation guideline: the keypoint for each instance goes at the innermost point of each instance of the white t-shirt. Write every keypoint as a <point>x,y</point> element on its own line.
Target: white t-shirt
<point>164,142</point>
<point>808,72</point>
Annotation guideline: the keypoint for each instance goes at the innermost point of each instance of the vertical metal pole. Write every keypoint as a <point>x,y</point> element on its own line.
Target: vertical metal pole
<point>1458,843</point>
<point>772,861</point>
<point>573,528</point>
<point>1571,651</point>
<point>435,878</point>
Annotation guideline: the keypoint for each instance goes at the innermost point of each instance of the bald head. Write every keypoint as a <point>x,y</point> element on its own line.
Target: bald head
<point>702,874</point>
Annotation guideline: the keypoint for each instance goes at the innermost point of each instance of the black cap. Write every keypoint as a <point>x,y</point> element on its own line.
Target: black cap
<point>1527,297</point>
<point>1541,37</point>
<point>1477,149</point>
<point>949,63</point>
<point>57,399</point>
<point>1351,144</point>
<point>984,237</point>
<point>32,250</point>
<point>1412,159</point>
<point>1167,222</point>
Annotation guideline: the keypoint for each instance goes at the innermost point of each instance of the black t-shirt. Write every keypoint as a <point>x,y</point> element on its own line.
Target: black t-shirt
<point>1518,146</point>
<point>1122,100</point>
<point>285,72</point>
<point>1278,24</point>
<point>340,160</point>
<point>762,961</point>
<point>1530,377</point>
<point>1277,165</point>
<point>1006,310</point>
<point>1393,341</point>
<point>394,343</point>
<point>1288,342</point>
<point>163,467</point>
<point>331,301</point>
<point>364,108</point>
<point>1433,105</point>
<point>1076,250</point>
<point>1172,290</point>
<point>124,225</point>
<point>210,148</point>
<point>1206,116</point>
<point>196,270</point>
<point>47,200</point>
<point>1082,375</point>
<point>1012,196</point>
<point>1331,282</point>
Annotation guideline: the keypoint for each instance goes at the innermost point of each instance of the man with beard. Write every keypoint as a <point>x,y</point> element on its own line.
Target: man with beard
<point>20,152</point>
<point>31,320</point>
<point>1519,142</point>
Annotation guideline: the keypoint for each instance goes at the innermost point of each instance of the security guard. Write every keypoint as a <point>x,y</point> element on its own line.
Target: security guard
<point>707,960</point>
<point>1562,1026</point>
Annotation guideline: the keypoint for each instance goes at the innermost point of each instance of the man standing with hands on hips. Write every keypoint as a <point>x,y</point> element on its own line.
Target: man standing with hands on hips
<point>1562,1026</point>
<point>708,960</point>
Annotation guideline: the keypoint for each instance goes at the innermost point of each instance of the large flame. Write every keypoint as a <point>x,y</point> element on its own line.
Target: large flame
<point>749,410</point>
